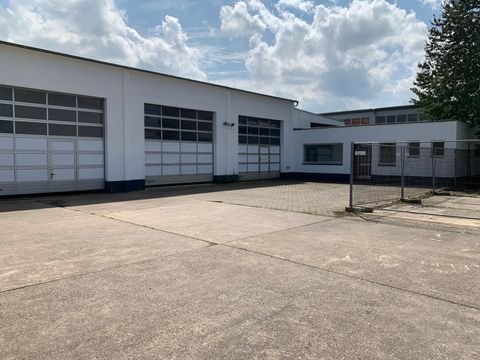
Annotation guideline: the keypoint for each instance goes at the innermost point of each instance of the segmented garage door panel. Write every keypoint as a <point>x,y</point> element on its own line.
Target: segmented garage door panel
<point>50,142</point>
<point>178,145</point>
<point>259,148</point>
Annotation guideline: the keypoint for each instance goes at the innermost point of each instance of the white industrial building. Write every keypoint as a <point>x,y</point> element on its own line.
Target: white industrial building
<point>72,124</point>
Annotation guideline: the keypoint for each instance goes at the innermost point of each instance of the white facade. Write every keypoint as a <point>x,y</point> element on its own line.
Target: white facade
<point>253,135</point>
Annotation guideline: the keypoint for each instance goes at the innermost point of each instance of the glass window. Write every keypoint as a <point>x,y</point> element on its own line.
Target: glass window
<point>30,96</point>
<point>242,139</point>
<point>274,141</point>
<point>30,112</point>
<point>90,131</point>
<point>242,129</point>
<point>391,119</point>
<point>401,118</point>
<point>62,130</point>
<point>6,110</point>
<point>171,135</point>
<point>412,117</point>
<point>153,122</point>
<point>189,125</point>
<point>414,149</point>
<point>324,154</point>
<point>205,115</point>
<point>347,122</point>
<point>356,121</point>
<point>275,124</point>
<point>5,93</point>
<point>62,115</point>
<point>388,154</point>
<point>62,100</point>
<point>438,149</point>
<point>151,109</point>
<point>90,103</point>
<point>188,113</point>
<point>253,140</point>
<point>274,132</point>
<point>252,121</point>
<point>264,131</point>
<point>30,128</point>
<point>204,126</point>
<point>242,120</point>
<point>263,122</point>
<point>90,117</point>
<point>189,136</point>
<point>205,137</point>
<point>6,127</point>
<point>153,134</point>
<point>171,123</point>
<point>264,140</point>
<point>380,120</point>
<point>252,130</point>
<point>170,111</point>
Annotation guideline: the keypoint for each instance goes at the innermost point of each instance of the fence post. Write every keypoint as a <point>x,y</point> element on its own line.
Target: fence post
<point>434,164</point>
<point>352,159</point>
<point>402,169</point>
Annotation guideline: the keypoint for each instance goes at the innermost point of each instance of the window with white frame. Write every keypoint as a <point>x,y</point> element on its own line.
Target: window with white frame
<point>323,154</point>
<point>438,149</point>
<point>414,149</point>
<point>388,154</point>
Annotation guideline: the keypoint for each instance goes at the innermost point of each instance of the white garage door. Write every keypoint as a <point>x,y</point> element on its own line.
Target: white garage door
<point>259,148</point>
<point>50,142</point>
<point>178,145</point>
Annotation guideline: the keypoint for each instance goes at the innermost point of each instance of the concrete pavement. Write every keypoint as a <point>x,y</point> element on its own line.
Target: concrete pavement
<point>185,276</point>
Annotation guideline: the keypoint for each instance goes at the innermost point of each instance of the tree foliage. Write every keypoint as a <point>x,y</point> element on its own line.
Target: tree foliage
<point>447,85</point>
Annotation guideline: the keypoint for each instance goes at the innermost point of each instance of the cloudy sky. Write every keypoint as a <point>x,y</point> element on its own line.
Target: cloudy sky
<point>329,54</point>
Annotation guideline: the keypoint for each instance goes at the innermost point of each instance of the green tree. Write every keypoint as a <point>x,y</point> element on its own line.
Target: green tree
<point>448,81</point>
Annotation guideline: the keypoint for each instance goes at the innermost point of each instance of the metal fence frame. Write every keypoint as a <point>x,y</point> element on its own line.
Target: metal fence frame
<point>435,185</point>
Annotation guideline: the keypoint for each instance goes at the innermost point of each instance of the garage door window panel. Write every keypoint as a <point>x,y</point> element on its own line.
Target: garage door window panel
<point>6,127</point>
<point>189,136</point>
<point>189,125</point>
<point>30,128</point>
<point>30,96</point>
<point>188,113</point>
<point>170,111</point>
<point>6,93</point>
<point>170,123</point>
<point>90,117</point>
<point>205,115</point>
<point>90,131</point>
<point>62,130</point>
<point>90,103</point>
<point>30,112</point>
<point>205,126</point>
<point>153,134</point>
<point>6,110</point>
<point>153,122</point>
<point>62,115</point>
<point>171,135</point>
<point>62,100</point>
<point>151,109</point>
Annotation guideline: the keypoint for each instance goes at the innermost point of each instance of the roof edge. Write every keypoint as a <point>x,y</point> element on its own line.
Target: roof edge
<point>76,57</point>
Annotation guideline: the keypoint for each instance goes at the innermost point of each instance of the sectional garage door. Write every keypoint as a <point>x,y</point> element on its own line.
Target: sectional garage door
<point>178,145</point>
<point>50,142</point>
<point>259,148</point>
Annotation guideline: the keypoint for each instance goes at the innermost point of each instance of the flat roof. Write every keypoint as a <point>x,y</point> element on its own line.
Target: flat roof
<point>399,107</point>
<point>2,42</point>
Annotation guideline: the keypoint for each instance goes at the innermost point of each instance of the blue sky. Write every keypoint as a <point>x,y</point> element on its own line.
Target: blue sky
<point>330,55</point>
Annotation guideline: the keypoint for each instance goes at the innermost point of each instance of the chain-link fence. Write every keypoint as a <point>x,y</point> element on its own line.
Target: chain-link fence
<point>382,173</point>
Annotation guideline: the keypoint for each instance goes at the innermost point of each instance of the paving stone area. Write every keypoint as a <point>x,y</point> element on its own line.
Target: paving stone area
<point>304,197</point>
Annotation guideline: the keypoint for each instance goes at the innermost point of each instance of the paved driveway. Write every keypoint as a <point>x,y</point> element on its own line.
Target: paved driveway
<point>234,272</point>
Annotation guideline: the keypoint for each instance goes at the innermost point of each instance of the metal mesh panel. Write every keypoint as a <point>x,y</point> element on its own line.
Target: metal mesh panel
<point>383,173</point>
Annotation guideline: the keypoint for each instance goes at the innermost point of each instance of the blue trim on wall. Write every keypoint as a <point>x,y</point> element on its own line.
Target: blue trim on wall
<point>335,178</point>
<point>124,186</point>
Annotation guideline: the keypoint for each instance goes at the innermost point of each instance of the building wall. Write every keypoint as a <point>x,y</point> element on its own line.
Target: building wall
<point>427,132</point>
<point>125,91</point>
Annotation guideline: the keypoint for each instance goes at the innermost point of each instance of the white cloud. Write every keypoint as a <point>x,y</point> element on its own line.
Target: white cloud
<point>358,54</point>
<point>303,5</point>
<point>99,29</point>
<point>236,21</point>
<point>434,4</point>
